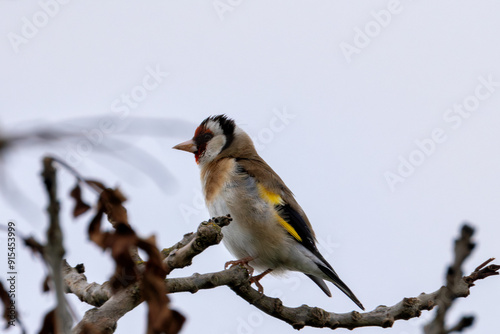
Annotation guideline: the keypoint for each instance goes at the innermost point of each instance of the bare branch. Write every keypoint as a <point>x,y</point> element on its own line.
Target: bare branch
<point>483,271</point>
<point>237,278</point>
<point>113,307</point>
<point>105,317</point>
<point>178,256</point>
<point>463,248</point>
<point>76,283</point>
<point>197,282</point>
<point>464,323</point>
<point>54,250</point>
<point>382,316</point>
<point>208,234</point>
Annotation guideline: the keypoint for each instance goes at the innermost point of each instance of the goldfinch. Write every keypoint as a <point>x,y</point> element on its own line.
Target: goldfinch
<point>269,230</point>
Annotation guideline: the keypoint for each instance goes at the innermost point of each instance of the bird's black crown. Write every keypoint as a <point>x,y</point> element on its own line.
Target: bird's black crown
<point>227,125</point>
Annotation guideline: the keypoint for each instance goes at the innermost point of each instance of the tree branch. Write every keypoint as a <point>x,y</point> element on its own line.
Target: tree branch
<point>105,317</point>
<point>197,282</point>
<point>76,283</point>
<point>110,308</point>
<point>208,234</point>
<point>237,278</point>
<point>382,316</point>
<point>54,249</point>
<point>463,248</point>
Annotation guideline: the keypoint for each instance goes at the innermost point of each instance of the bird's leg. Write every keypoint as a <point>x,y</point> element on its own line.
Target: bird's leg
<point>253,279</point>
<point>243,262</point>
<point>256,279</point>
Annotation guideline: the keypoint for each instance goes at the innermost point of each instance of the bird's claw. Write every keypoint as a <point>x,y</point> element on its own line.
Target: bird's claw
<point>259,286</point>
<point>242,262</point>
<point>253,279</point>
<point>256,279</point>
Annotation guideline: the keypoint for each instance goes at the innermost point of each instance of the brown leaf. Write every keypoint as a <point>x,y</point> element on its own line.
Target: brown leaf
<point>121,243</point>
<point>80,206</point>
<point>46,286</point>
<point>49,323</point>
<point>94,229</point>
<point>5,299</point>
<point>161,319</point>
<point>35,246</point>
<point>96,184</point>
<point>111,201</point>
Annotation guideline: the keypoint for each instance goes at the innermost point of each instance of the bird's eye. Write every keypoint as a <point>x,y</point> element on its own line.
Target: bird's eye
<point>206,137</point>
<point>202,139</point>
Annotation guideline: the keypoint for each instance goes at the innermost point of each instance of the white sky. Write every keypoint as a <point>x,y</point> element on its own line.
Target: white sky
<point>354,116</point>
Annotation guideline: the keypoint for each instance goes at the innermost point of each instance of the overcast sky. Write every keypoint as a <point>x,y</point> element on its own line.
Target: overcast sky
<point>381,116</point>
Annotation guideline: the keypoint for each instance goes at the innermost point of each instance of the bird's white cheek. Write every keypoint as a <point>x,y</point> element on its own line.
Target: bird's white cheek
<point>214,147</point>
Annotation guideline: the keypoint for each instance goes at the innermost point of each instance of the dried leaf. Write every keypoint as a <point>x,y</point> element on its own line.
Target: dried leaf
<point>96,184</point>
<point>4,297</point>
<point>161,319</point>
<point>94,229</point>
<point>111,201</point>
<point>49,323</point>
<point>80,206</point>
<point>46,286</point>
<point>34,245</point>
<point>121,243</point>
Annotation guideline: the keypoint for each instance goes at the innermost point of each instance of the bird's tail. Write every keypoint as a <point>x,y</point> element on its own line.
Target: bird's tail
<point>321,284</point>
<point>332,276</point>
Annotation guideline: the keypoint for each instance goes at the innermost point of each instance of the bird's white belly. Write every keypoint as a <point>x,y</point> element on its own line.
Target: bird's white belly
<point>254,231</point>
<point>235,234</point>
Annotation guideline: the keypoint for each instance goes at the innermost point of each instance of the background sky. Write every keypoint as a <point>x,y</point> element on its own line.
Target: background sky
<point>381,116</point>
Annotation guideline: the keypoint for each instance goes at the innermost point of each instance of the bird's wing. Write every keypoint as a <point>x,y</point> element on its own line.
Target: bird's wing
<point>293,222</point>
<point>290,214</point>
<point>292,218</point>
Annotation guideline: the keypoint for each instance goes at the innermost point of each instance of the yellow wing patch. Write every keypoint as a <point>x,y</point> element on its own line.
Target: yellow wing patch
<point>276,199</point>
<point>289,228</point>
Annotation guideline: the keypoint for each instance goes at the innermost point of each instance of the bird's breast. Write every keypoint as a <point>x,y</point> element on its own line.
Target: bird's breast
<point>254,230</point>
<point>215,177</point>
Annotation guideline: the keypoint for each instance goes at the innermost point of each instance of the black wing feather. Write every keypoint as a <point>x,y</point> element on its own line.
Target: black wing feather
<point>294,218</point>
<point>298,223</point>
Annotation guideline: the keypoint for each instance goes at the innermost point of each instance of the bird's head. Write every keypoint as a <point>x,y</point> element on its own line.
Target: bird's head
<point>213,136</point>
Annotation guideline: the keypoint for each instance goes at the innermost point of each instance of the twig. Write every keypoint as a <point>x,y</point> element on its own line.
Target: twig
<point>382,316</point>
<point>75,173</point>
<point>482,271</point>
<point>54,250</point>
<point>237,278</point>
<point>464,323</point>
<point>105,318</point>
<point>208,234</point>
<point>76,283</point>
<point>197,282</point>
<point>463,248</point>
<point>113,307</point>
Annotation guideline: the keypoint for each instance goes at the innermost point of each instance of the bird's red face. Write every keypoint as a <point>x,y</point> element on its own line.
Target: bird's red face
<point>212,136</point>
<point>198,144</point>
<point>202,136</point>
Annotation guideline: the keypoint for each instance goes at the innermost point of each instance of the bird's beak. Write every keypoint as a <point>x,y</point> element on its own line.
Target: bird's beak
<point>188,146</point>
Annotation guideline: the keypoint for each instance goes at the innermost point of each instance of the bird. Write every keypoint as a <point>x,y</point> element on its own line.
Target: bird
<point>269,230</point>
